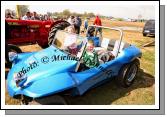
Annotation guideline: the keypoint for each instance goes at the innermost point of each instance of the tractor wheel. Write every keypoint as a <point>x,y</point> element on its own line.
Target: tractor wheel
<point>44,46</point>
<point>127,73</point>
<point>59,26</point>
<point>10,48</point>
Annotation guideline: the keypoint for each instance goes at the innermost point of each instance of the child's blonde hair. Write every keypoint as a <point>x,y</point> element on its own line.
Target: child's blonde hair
<point>90,42</point>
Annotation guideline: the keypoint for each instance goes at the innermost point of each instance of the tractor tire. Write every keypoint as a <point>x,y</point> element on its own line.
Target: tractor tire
<point>44,46</point>
<point>59,26</point>
<point>128,73</point>
<point>10,48</point>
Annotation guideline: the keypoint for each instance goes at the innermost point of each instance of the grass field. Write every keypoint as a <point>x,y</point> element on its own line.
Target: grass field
<point>142,92</point>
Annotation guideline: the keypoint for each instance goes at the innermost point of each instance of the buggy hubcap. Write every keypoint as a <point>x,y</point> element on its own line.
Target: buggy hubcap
<point>132,73</point>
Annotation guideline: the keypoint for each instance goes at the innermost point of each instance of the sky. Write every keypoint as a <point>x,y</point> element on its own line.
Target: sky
<point>121,11</point>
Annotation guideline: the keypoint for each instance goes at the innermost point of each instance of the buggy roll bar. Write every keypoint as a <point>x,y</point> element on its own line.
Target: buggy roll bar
<point>117,29</point>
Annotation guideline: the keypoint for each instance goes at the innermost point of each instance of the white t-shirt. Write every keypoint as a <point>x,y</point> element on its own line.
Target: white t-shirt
<point>26,18</point>
<point>69,40</point>
<point>71,21</point>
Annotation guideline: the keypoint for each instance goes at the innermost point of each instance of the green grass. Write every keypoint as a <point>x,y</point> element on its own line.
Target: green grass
<point>148,62</point>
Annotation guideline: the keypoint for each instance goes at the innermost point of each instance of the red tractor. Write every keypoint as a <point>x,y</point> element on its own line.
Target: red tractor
<point>32,31</point>
<point>19,32</point>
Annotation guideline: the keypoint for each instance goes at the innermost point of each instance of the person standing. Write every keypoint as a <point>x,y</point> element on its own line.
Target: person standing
<point>46,17</point>
<point>35,16</point>
<point>98,23</point>
<point>41,17</point>
<point>77,24</point>
<point>27,16</point>
<point>85,24</point>
<point>71,20</point>
<point>9,16</point>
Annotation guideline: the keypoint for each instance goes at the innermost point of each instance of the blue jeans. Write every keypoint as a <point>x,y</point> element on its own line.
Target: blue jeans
<point>100,33</point>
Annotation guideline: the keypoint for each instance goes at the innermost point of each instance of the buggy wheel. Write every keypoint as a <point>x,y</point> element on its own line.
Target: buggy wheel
<point>58,26</point>
<point>144,34</point>
<point>10,48</point>
<point>24,100</point>
<point>50,100</point>
<point>128,73</point>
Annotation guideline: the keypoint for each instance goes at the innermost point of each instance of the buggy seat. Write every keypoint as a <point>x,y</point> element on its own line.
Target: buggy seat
<point>110,46</point>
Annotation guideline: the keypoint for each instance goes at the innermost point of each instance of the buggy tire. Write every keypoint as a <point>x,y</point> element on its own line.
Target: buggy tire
<point>10,48</point>
<point>128,73</point>
<point>58,26</point>
<point>50,100</point>
<point>144,34</point>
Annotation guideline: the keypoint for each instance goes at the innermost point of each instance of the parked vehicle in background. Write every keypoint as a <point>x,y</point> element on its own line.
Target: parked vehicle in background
<point>149,28</point>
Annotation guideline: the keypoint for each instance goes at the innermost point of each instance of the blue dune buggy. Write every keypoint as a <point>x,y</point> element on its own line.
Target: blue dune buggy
<point>61,70</point>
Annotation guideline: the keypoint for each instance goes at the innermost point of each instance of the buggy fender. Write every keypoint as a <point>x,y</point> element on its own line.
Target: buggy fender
<point>25,55</point>
<point>129,54</point>
<point>43,87</point>
<point>126,56</point>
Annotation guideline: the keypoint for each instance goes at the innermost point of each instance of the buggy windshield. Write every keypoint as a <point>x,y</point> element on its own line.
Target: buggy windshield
<point>69,42</point>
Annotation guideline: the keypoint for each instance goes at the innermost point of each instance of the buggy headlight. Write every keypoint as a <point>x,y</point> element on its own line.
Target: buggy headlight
<point>12,56</point>
<point>20,80</point>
